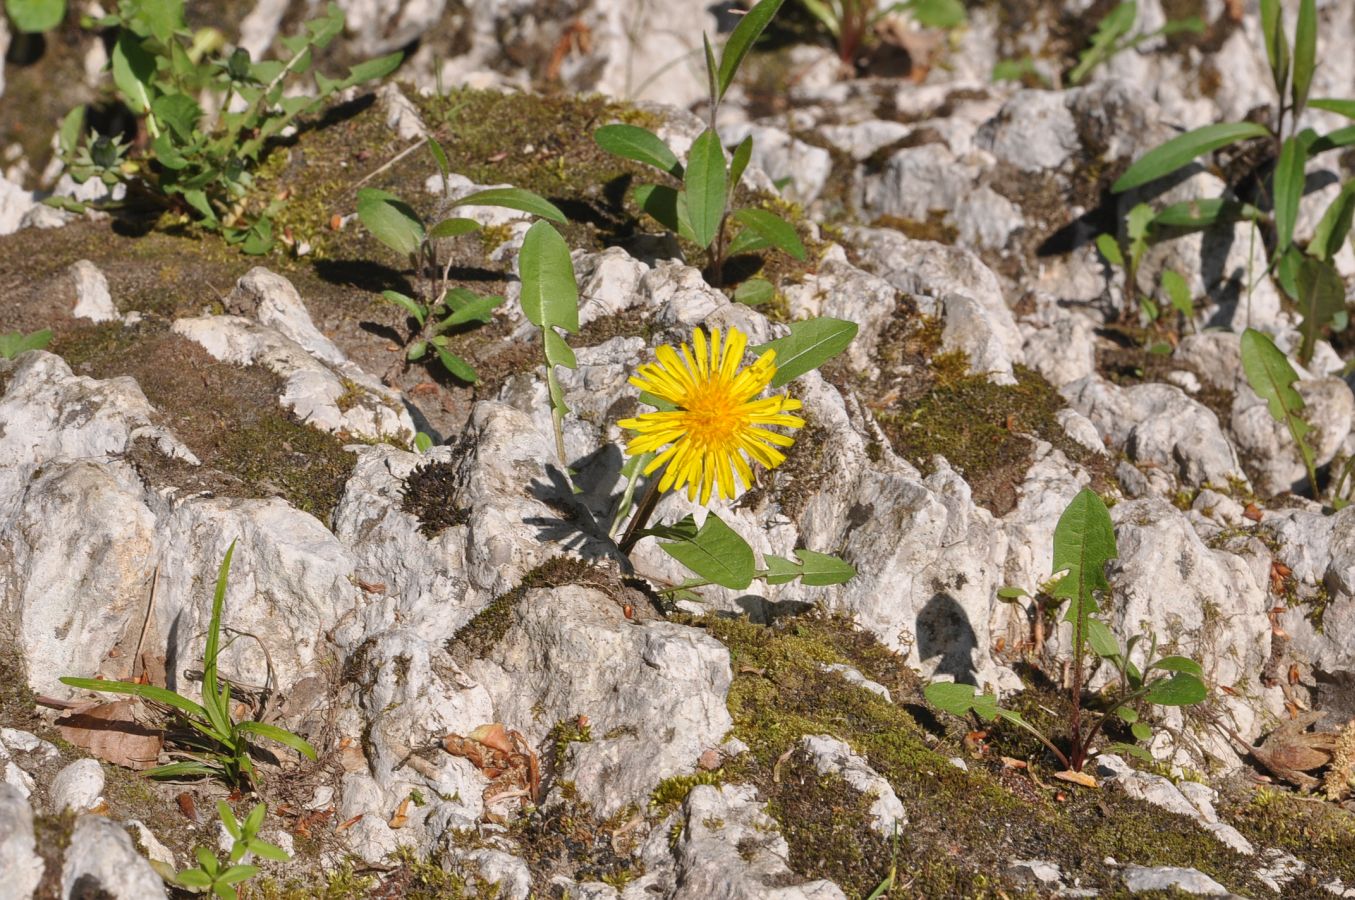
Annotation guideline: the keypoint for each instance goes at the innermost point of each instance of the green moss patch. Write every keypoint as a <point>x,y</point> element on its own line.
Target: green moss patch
<point>227,415</point>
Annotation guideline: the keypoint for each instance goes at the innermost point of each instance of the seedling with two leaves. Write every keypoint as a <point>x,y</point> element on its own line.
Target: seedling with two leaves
<point>1084,541</point>
<point>696,203</point>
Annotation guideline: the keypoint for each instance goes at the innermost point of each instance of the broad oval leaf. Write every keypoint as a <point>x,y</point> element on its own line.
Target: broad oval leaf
<point>281,735</point>
<point>810,344</point>
<point>1109,248</point>
<point>779,569</point>
<point>1179,664</point>
<point>514,198</point>
<point>746,241</point>
<point>1272,377</point>
<point>550,295</point>
<point>1102,640</point>
<point>958,699</point>
<point>391,220</point>
<point>717,554</point>
<point>456,366</point>
<point>937,13</point>
<point>741,40</point>
<point>408,304</point>
<point>15,342</point>
<point>661,203</point>
<point>754,292</point>
<point>454,227</point>
<point>1181,689</point>
<point>133,69</point>
<point>36,16</point>
<point>772,228</point>
<point>1321,298</point>
<point>705,186</point>
<point>1181,149</point>
<point>638,144</point>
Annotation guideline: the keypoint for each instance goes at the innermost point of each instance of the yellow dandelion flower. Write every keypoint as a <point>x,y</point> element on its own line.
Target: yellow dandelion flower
<point>718,424</point>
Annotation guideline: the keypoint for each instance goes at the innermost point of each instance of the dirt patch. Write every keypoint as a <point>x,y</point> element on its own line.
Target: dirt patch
<point>430,494</point>
<point>227,415</point>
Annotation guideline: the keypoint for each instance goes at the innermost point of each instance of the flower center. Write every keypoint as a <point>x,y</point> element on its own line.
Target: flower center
<point>712,417</point>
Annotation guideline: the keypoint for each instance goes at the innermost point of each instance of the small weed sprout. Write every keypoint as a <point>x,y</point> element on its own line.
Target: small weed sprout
<point>1305,274</point>
<point>211,875</point>
<point>440,309</point>
<point>14,343</point>
<point>1112,37</point>
<point>699,211</point>
<point>1084,541</point>
<point>707,417</point>
<point>220,746</point>
<point>851,22</point>
<point>1272,378</point>
<point>191,162</point>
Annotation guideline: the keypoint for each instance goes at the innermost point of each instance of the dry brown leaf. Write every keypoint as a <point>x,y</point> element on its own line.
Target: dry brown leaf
<point>1081,778</point>
<point>111,732</point>
<point>1009,763</point>
<point>1252,512</point>
<point>401,815</point>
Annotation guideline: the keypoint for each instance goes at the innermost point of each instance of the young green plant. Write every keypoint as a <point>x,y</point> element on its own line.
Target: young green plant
<point>1272,378</point>
<point>211,875</point>
<point>1113,36</point>
<point>695,204</point>
<point>441,309</point>
<point>219,746</point>
<point>15,342</point>
<point>190,162</point>
<point>1084,542</point>
<point>852,22</point>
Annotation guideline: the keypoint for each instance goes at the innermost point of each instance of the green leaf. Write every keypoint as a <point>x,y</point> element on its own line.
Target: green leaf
<point>440,157</point>
<point>772,228</point>
<point>717,554</point>
<point>254,820</point>
<point>1321,298</point>
<point>958,699</point>
<point>71,127</point>
<point>179,112</point>
<point>1180,150</point>
<point>754,292</point>
<point>1305,53</point>
<point>457,366</point>
<point>466,306</point>
<point>661,203</point>
<point>1084,541</point>
<point>449,228</point>
<point>638,144</point>
<point>1141,731</point>
<point>936,13</point>
<point>1181,689</point>
<point>195,878</point>
<point>746,241</point>
<point>1109,249</point>
<point>820,569</point>
<point>1272,378</point>
<point>238,873</point>
<point>810,344</point>
<point>1289,180</point>
<point>408,304</point>
<point>558,352</point>
<point>741,41</point>
<point>133,69</point>
<point>1196,215</point>
<point>281,735</point>
<point>36,16</point>
<point>1178,293</point>
<point>705,186</point>
<point>1341,137</point>
<point>268,851</point>
<point>1109,30</point>
<point>1010,594</point>
<point>739,161</point>
<point>371,70</point>
<point>1332,230</point>
<point>416,351</point>
<point>391,220</point>
<point>144,691</point>
<point>513,198</point>
<point>1276,44</point>
<point>1340,107</point>
<point>779,569</point>
<point>1179,664</point>
<point>550,294</point>
<point>423,442</point>
<point>1126,714</point>
<point>1101,639</point>
<point>14,343</point>
<point>183,770</point>
<point>228,819</point>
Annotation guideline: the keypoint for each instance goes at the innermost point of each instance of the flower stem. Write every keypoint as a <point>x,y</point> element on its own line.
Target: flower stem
<point>641,517</point>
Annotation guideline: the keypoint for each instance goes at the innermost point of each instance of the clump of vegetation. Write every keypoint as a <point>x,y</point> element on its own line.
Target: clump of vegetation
<point>218,745</point>
<point>211,875</point>
<point>1084,542</point>
<point>190,163</point>
<point>1113,36</point>
<point>14,343</point>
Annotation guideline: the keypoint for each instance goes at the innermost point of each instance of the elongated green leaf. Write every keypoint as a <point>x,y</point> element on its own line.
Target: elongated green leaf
<point>408,304</point>
<point>717,554</point>
<point>440,157</point>
<point>268,851</point>
<point>779,569</point>
<point>810,344</point>
<point>1109,249</point>
<point>454,227</point>
<point>1272,378</point>
<point>934,13</point>
<point>14,343</point>
<point>1196,215</point>
<point>1340,107</point>
<point>1321,298</point>
<point>254,820</point>
<point>281,735</point>
<point>456,366</point>
<point>144,691</point>
<point>741,40</point>
<point>738,162</point>
<point>183,770</point>
<point>1180,150</point>
<point>1178,293</point>
<point>390,220</point>
<point>228,819</point>
<point>774,229</point>
<point>1341,137</point>
<point>1288,190</point>
<point>1112,27</point>
<point>71,127</point>
<point>705,186</point>
<point>1084,541</point>
<point>466,306</point>
<point>558,353</point>
<point>215,701</point>
<point>1179,664</point>
<point>1332,230</point>
<point>1181,689</point>
<point>638,144</point>
<point>194,878</point>
<point>133,70</point>
<point>820,569</point>
<point>550,295</point>
<point>1305,53</point>
<point>1102,640</point>
<point>1277,45</point>
<point>746,241</point>
<point>514,198</point>
<point>36,16</point>
<point>237,873</point>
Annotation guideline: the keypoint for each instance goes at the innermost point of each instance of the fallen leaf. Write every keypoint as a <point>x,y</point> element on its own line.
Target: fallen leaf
<point>111,732</point>
<point>344,826</point>
<point>1252,512</point>
<point>1009,763</point>
<point>401,815</point>
<point>1081,778</point>
<point>187,806</point>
